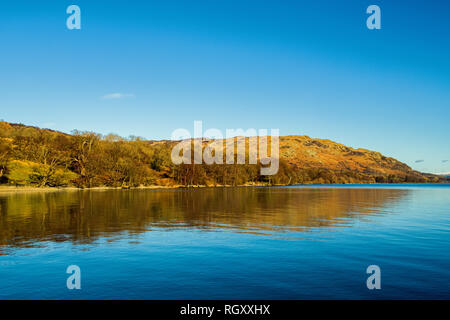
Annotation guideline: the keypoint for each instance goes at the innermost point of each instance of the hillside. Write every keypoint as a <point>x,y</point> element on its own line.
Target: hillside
<point>445,175</point>
<point>43,157</point>
<point>306,152</point>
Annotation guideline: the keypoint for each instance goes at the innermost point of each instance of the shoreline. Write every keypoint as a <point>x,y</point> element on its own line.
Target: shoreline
<point>18,189</point>
<point>54,189</point>
<point>5,188</point>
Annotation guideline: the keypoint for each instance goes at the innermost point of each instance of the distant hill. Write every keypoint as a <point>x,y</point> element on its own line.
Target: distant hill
<point>306,152</point>
<point>44,157</point>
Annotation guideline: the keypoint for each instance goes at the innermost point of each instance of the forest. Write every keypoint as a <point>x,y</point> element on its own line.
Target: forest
<point>31,156</point>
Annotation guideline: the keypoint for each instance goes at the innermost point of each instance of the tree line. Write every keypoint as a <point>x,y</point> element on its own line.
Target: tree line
<point>45,158</point>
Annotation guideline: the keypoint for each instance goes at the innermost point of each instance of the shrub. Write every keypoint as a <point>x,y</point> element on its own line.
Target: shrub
<point>21,172</point>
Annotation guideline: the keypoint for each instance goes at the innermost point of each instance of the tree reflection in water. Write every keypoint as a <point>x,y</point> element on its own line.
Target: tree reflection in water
<point>83,216</point>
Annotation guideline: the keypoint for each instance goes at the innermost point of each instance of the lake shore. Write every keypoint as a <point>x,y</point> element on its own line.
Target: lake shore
<point>18,189</point>
<point>5,189</point>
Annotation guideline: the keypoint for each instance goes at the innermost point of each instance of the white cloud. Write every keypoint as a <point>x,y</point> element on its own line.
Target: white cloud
<point>117,95</point>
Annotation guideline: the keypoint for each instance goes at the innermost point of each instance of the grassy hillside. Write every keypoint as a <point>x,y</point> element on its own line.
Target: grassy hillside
<point>41,157</point>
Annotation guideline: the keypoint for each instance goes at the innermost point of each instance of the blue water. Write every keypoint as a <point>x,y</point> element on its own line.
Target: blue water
<point>294,242</point>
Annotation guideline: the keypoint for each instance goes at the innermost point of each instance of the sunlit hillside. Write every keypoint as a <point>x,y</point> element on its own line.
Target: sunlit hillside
<point>41,157</point>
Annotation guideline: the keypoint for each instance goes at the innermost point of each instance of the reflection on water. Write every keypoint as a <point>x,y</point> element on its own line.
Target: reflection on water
<point>228,243</point>
<point>83,216</point>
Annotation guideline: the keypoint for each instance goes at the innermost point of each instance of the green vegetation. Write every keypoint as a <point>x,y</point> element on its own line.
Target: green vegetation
<point>22,172</point>
<point>41,157</point>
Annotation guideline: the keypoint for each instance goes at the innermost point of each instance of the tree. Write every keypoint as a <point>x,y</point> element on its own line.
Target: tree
<point>83,156</point>
<point>5,153</point>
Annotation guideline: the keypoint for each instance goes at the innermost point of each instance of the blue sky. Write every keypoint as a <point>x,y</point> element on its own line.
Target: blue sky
<point>305,67</point>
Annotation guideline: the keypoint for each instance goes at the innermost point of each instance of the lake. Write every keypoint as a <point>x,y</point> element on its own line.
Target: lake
<point>294,242</point>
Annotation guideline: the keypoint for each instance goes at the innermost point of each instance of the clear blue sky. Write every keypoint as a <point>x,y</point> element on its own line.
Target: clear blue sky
<point>305,67</point>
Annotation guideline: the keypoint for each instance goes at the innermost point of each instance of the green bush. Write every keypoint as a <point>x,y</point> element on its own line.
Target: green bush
<point>21,172</point>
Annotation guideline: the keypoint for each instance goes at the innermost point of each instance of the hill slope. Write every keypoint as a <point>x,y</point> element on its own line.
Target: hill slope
<point>43,157</point>
<point>306,152</point>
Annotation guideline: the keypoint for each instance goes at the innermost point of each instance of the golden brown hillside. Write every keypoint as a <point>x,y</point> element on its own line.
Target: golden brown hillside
<point>43,157</point>
<point>305,152</point>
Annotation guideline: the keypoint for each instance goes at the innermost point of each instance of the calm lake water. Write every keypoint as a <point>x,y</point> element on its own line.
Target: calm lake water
<point>228,243</point>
